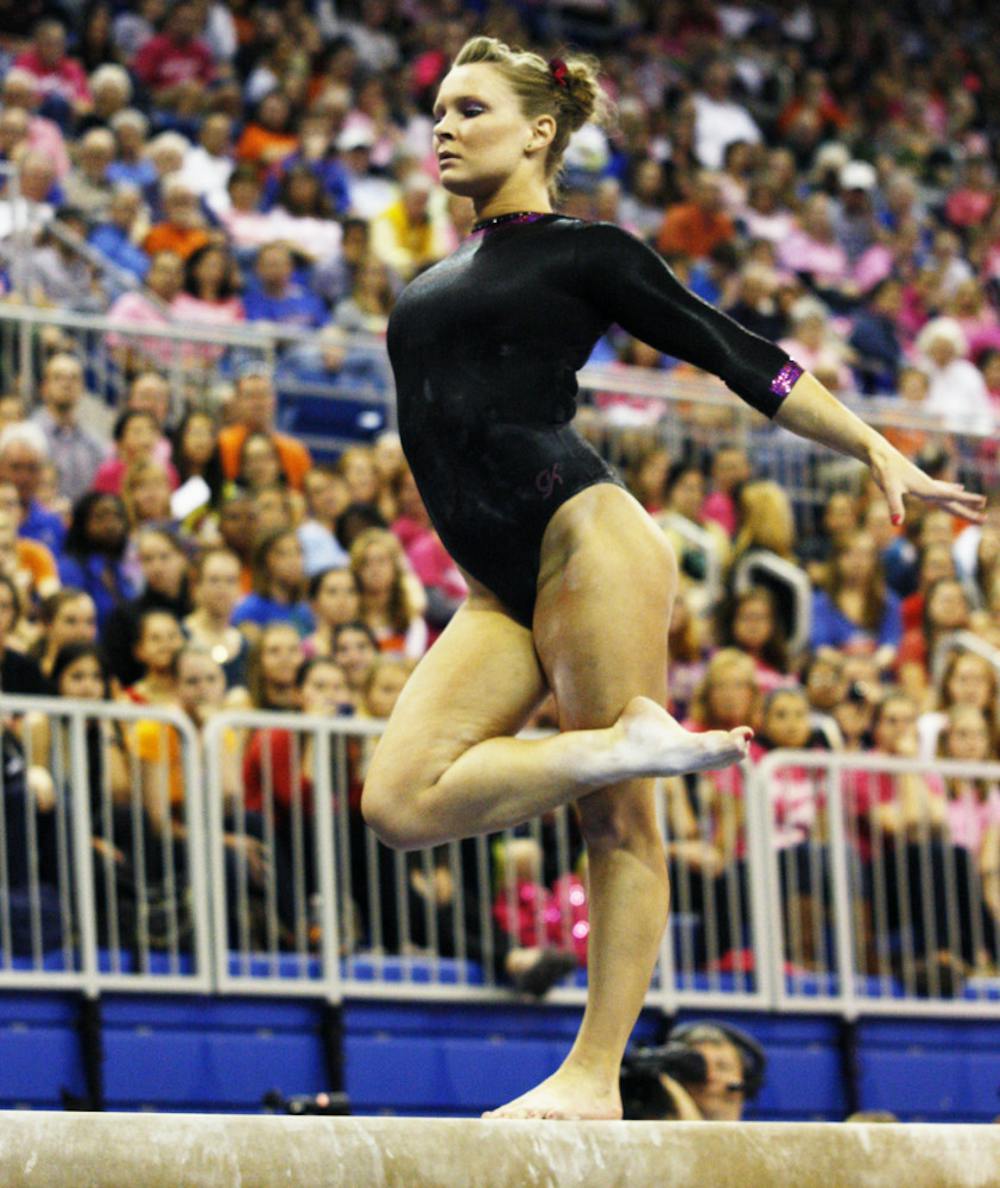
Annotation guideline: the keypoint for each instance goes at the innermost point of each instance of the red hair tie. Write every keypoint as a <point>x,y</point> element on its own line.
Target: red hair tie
<point>560,72</point>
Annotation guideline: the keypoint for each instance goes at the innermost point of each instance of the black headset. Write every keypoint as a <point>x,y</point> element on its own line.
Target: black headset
<point>752,1056</point>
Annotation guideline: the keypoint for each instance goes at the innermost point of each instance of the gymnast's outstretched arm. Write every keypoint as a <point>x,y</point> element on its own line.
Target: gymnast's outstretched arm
<point>635,288</point>
<point>811,411</point>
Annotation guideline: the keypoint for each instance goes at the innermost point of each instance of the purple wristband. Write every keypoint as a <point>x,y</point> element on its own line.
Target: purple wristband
<point>786,379</point>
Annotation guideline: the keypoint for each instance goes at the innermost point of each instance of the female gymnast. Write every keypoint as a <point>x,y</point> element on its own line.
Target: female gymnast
<point>485,347</point>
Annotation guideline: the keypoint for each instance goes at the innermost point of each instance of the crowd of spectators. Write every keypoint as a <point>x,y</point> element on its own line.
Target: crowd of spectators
<point>824,174</point>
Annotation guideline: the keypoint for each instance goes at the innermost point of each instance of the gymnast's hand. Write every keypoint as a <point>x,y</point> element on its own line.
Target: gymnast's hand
<point>897,476</point>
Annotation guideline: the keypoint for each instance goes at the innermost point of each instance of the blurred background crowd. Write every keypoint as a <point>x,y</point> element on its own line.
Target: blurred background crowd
<point>824,173</point>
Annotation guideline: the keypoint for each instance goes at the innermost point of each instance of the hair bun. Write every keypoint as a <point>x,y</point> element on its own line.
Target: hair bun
<point>585,101</point>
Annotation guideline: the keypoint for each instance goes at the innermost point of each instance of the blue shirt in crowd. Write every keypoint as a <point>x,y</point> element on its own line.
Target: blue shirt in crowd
<point>332,177</point>
<point>832,628</point>
<point>114,244</point>
<point>140,173</point>
<point>258,609</point>
<point>105,581</point>
<point>46,527</point>
<point>297,307</point>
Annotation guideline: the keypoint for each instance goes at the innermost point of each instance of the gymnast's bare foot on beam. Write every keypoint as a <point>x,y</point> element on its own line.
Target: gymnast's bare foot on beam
<point>655,744</point>
<point>568,1095</point>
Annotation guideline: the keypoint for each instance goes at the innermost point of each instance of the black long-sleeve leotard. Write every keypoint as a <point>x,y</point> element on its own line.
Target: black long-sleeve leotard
<point>485,347</point>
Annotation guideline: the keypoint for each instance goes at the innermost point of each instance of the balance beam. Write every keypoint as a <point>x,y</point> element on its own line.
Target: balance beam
<point>77,1150</point>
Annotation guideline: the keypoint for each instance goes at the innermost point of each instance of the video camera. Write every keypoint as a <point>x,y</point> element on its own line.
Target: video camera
<point>678,1059</point>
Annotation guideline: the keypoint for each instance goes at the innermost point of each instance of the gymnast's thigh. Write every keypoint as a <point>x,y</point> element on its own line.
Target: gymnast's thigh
<point>605,598</point>
<point>480,680</point>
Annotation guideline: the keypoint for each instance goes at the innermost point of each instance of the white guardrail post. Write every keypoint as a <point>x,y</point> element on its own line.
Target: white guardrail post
<point>846,989</point>
<point>172,968</point>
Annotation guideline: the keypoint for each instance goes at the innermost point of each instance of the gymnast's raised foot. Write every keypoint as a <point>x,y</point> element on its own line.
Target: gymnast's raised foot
<point>655,744</point>
<point>568,1095</point>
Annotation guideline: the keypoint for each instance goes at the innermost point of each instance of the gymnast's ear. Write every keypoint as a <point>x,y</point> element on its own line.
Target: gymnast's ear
<point>543,131</point>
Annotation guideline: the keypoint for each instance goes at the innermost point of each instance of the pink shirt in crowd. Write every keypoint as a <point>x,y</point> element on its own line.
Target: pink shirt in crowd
<point>186,308</point>
<point>435,568</point>
<point>132,311</point>
<point>111,474</point>
<point>408,531</point>
<point>161,62</point>
<point>721,508</point>
<point>826,262</point>
<point>45,137</point>
<point>796,797</point>
<point>67,80</point>
<point>969,817</point>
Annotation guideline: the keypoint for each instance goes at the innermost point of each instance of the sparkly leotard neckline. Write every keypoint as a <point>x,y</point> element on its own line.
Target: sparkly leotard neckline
<point>508,220</point>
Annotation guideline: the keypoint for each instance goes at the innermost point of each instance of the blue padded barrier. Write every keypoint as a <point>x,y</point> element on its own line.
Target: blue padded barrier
<point>280,965</point>
<point>440,1074</point>
<point>446,970</point>
<point>455,1059</point>
<point>39,1050</point>
<point>921,1085</point>
<point>938,1070</point>
<point>209,1053</point>
<point>214,1054</point>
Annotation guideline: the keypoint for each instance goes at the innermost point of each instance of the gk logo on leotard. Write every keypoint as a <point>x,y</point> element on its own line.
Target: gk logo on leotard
<point>547,479</point>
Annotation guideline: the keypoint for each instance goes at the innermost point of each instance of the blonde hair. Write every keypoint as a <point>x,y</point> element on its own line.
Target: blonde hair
<point>364,452</point>
<point>727,662</point>
<point>944,697</point>
<point>574,102</point>
<point>401,611</point>
<point>766,520</point>
<point>953,716</point>
<point>383,661</point>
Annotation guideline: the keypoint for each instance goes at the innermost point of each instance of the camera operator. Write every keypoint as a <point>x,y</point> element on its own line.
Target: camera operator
<point>704,1072</point>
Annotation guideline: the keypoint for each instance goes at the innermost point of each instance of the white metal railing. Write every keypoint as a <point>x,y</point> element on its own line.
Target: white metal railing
<point>400,932</point>
<point>269,882</point>
<point>894,907</point>
<point>684,399</point>
<point>125,876</point>
<point>296,916</point>
<point>194,358</point>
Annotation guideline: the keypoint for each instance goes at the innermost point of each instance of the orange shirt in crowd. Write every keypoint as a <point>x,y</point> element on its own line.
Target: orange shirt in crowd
<point>165,237</point>
<point>908,441</point>
<point>160,744</point>
<point>257,144</point>
<point>35,559</point>
<point>690,231</point>
<point>295,458</point>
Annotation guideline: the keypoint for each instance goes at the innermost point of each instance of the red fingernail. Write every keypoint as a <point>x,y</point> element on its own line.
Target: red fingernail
<point>897,520</point>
